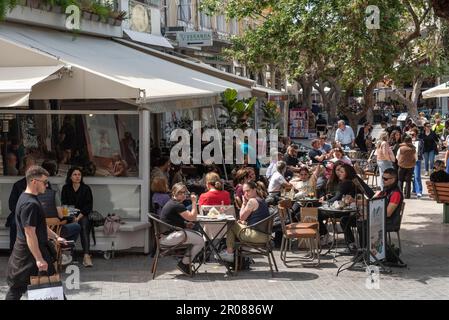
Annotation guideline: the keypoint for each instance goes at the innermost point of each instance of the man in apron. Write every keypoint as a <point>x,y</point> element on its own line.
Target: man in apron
<point>32,252</point>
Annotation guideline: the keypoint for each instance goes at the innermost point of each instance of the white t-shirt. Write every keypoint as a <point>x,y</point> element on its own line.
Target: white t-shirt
<point>276,182</point>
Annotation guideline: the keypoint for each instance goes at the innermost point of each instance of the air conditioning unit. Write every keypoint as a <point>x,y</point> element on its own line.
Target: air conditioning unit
<point>175,29</point>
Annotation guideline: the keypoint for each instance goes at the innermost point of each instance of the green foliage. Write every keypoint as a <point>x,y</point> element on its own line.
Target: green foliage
<point>239,112</point>
<point>271,116</point>
<point>5,6</point>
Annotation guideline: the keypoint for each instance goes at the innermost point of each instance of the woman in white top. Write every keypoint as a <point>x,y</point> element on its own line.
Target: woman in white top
<point>385,156</point>
<point>305,183</point>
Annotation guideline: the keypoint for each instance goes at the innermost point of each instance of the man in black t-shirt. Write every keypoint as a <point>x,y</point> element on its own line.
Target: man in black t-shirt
<point>31,253</point>
<point>438,174</point>
<point>315,154</point>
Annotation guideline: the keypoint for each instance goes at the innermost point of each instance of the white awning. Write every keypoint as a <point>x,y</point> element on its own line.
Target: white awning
<point>16,83</point>
<point>437,92</point>
<point>103,68</point>
<point>148,38</point>
<point>262,91</point>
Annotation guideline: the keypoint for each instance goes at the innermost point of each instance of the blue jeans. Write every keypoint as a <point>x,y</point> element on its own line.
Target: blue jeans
<point>447,167</point>
<point>383,165</point>
<point>71,231</point>
<point>429,157</point>
<point>417,183</point>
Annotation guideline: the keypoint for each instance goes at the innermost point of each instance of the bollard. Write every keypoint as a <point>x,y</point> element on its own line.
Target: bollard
<point>446,213</point>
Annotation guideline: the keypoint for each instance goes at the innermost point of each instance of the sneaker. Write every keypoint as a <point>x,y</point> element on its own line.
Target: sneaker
<point>228,257</point>
<point>184,268</point>
<point>66,259</point>
<point>418,195</point>
<point>87,261</point>
<point>427,173</point>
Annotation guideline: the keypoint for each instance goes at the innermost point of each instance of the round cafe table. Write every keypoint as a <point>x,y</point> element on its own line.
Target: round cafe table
<point>334,214</point>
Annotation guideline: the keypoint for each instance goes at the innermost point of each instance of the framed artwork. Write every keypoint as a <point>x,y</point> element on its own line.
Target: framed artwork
<point>103,136</point>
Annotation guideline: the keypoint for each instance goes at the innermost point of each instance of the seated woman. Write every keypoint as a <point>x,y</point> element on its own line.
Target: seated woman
<point>254,209</point>
<point>78,194</point>
<point>215,195</point>
<point>159,189</point>
<point>305,183</point>
<point>339,155</point>
<point>346,187</point>
<point>176,214</point>
<point>241,176</point>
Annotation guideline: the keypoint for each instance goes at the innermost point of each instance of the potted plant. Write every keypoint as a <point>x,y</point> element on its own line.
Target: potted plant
<point>22,3</point>
<point>86,9</point>
<point>56,6</point>
<point>118,17</point>
<point>102,12</point>
<point>34,4</point>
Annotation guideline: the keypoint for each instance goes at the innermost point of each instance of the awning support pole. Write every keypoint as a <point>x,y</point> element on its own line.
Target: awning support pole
<point>221,145</point>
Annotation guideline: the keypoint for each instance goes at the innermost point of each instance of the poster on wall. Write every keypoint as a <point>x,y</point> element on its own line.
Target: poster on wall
<point>376,228</point>
<point>299,124</point>
<point>102,133</point>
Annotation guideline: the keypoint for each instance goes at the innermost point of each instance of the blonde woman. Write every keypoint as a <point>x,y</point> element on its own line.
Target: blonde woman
<point>385,156</point>
<point>176,214</point>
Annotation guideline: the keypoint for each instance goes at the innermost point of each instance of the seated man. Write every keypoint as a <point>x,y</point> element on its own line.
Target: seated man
<point>439,174</point>
<point>315,154</point>
<point>395,198</point>
<point>277,180</point>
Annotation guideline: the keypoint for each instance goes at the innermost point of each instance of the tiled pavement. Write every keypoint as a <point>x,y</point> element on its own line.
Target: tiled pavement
<point>426,251</point>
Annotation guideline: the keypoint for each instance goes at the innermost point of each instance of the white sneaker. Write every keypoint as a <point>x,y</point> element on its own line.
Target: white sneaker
<point>228,257</point>
<point>66,259</point>
<point>418,195</point>
<point>427,173</point>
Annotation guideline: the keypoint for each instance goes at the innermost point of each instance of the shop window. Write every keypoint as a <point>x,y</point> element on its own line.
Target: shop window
<point>101,144</point>
<point>184,10</point>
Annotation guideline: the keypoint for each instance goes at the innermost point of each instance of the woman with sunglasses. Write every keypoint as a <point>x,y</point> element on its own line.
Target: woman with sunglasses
<point>78,194</point>
<point>175,213</point>
<point>430,149</point>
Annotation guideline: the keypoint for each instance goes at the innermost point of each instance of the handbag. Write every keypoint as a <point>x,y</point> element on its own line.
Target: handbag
<point>44,287</point>
<point>111,224</point>
<point>96,219</point>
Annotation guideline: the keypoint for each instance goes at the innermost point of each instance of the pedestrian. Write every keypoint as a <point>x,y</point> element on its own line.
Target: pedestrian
<point>32,252</point>
<point>406,162</point>
<point>430,140</point>
<point>385,156</point>
<point>419,145</point>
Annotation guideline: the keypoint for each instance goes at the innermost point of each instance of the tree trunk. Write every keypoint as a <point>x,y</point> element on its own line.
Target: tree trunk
<point>412,105</point>
<point>330,99</point>
<point>306,81</point>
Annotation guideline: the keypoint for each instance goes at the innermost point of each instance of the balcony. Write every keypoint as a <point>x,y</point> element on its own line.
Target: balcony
<point>94,18</point>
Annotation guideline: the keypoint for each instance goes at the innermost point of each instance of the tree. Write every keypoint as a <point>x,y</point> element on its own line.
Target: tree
<point>319,43</point>
<point>271,116</point>
<point>239,112</point>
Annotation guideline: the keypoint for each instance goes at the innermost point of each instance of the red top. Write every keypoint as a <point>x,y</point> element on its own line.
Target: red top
<point>395,197</point>
<point>215,198</point>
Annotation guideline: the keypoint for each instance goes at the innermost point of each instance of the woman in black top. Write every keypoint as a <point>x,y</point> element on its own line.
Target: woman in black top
<point>395,140</point>
<point>78,194</point>
<point>430,149</point>
<point>175,213</point>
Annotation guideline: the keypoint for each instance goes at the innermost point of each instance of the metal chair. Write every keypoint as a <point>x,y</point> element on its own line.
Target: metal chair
<point>266,249</point>
<point>177,250</point>
<point>397,228</point>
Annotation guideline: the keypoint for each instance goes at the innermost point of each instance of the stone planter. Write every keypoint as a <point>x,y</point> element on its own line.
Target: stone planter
<point>33,4</point>
<point>56,9</point>
<point>94,17</point>
<point>87,15</point>
<point>117,22</point>
<point>111,21</point>
<point>22,3</point>
<point>45,7</point>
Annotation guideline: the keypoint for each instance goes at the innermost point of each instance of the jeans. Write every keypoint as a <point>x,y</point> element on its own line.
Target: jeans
<point>70,231</point>
<point>405,175</point>
<point>383,165</point>
<point>447,166</point>
<point>417,183</point>
<point>429,157</point>
<point>12,233</point>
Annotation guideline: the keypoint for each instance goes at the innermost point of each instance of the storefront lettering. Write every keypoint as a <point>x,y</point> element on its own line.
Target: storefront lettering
<point>72,22</point>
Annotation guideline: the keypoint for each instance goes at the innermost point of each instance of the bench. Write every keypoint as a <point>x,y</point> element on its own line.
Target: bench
<point>439,191</point>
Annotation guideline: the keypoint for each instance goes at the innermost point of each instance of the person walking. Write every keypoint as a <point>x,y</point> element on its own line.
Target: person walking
<point>344,135</point>
<point>406,162</point>
<point>385,156</point>
<point>419,145</point>
<point>32,252</point>
<point>430,149</point>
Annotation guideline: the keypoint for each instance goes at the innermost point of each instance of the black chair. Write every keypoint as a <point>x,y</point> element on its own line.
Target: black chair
<point>177,250</point>
<point>266,249</point>
<point>396,228</point>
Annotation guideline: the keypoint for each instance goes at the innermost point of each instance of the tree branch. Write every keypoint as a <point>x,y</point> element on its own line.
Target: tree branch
<point>417,22</point>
